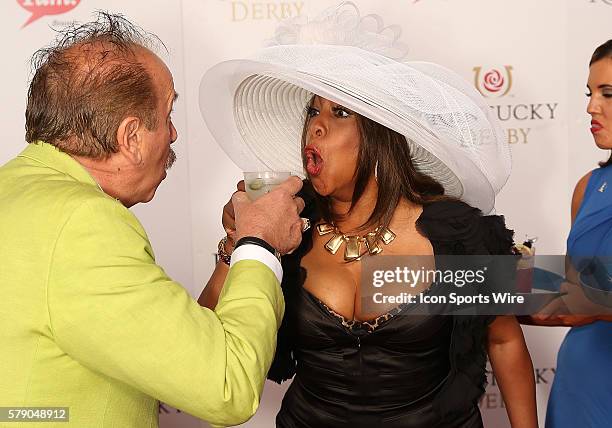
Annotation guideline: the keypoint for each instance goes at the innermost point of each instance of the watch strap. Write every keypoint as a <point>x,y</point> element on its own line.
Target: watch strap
<point>259,242</point>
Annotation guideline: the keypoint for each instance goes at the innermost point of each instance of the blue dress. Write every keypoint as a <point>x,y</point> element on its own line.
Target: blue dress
<point>581,395</point>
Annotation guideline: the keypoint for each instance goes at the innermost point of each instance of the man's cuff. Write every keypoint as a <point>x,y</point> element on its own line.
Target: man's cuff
<point>255,252</point>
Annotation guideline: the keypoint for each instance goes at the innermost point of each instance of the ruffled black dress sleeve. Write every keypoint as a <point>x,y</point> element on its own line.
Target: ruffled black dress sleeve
<point>455,228</point>
<point>284,363</point>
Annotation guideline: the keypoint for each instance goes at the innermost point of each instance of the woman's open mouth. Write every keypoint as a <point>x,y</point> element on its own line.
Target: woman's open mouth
<point>314,161</point>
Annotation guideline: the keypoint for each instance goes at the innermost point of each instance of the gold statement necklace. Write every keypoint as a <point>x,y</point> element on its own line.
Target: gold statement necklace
<point>352,251</point>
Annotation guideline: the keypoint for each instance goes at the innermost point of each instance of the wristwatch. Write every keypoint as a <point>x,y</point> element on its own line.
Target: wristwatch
<point>259,242</point>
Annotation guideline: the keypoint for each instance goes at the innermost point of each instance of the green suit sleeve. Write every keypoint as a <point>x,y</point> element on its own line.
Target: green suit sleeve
<point>116,312</point>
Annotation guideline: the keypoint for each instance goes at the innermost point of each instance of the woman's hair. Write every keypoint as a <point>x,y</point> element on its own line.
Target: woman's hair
<point>603,51</point>
<point>386,152</point>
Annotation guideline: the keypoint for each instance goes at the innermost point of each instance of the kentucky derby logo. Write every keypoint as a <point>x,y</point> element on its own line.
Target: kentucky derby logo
<point>278,10</point>
<point>40,8</point>
<point>493,82</point>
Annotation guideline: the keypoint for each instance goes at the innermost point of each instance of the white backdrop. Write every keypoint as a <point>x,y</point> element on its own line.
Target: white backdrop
<point>529,58</point>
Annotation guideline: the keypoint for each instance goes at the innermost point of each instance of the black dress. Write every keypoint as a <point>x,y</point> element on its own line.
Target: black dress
<point>396,371</point>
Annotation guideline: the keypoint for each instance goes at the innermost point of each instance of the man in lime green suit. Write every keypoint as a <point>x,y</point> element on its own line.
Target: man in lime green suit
<point>88,320</point>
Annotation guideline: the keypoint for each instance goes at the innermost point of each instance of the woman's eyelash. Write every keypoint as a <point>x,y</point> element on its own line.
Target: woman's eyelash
<point>605,95</point>
<point>312,111</point>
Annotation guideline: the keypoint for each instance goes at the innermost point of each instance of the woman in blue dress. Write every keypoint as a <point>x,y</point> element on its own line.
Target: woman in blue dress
<point>581,395</point>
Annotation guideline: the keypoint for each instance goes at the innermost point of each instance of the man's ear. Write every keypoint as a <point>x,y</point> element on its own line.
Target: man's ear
<point>129,139</point>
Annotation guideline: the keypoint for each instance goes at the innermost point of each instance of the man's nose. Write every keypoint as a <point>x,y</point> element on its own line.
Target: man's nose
<point>173,134</point>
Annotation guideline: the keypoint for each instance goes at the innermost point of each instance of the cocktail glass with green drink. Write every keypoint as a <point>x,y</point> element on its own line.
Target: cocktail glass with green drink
<point>259,183</point>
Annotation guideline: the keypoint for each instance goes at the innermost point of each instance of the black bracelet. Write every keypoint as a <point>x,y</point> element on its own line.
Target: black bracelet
<point>259,242</point>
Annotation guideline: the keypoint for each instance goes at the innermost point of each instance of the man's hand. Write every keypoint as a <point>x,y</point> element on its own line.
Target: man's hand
<point>274,217</point>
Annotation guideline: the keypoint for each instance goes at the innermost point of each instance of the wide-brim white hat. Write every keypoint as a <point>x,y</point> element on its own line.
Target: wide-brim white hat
<point>255,108</point>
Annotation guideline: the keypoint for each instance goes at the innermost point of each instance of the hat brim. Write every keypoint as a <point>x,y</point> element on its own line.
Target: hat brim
<point>256,110</point>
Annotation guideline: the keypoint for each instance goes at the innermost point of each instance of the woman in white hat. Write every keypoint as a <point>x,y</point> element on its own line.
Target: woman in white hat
<point>402,159</point>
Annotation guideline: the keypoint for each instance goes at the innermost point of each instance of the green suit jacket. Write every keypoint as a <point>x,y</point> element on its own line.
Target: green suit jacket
<point>89,321</point>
